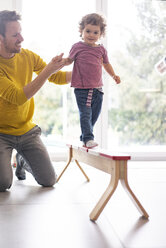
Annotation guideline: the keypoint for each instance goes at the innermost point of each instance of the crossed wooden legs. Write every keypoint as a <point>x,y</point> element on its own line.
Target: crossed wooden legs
<point>69,161</point>
<point>119,173</point>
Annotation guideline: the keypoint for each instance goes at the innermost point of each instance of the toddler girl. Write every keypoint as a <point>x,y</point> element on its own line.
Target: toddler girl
<point>89,57</point>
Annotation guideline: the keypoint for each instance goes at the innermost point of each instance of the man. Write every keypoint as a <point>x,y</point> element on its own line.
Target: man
<point>17,130</point>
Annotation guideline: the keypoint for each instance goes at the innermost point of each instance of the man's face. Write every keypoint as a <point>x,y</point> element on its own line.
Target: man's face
<point>11,42</point>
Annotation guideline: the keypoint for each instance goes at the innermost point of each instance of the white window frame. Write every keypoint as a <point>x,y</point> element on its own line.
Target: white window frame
<point>17,5</point>
<point>102,123</point>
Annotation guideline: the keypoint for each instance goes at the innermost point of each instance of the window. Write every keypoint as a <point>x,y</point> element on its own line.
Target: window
<point>133,111</point>
<point>136,42</point>
<point>49,28</point>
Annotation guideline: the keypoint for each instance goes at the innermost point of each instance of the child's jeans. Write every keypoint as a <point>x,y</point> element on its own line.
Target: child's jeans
<point>89,103</point>
<point>32,149</point>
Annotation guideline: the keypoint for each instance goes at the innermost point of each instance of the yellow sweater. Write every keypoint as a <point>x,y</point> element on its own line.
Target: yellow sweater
<point>16,111</point>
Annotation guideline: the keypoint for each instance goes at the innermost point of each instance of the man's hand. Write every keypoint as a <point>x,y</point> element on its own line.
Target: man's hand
<point>55,64</point>
<point>67,61</point>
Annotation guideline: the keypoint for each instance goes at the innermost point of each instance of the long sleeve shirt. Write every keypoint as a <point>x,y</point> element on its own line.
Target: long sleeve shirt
<point>16,111</point>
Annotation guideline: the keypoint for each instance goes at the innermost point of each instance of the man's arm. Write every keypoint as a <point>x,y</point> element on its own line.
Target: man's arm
<point>55,65</point>
<point>68,76</point>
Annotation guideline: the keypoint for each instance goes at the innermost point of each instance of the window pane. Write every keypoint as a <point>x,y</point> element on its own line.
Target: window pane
<point>49,28</point>
<point>136,42</point>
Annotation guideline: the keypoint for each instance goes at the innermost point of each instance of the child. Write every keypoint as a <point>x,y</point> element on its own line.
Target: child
<point>89,57</point>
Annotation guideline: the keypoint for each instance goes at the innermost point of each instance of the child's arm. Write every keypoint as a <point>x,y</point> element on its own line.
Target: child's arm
<point>67,61</point>
<point>110,71</point>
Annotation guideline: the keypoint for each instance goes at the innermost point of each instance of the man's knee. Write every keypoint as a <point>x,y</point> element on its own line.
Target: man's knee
<point>48,181</point>
<point>5,183</point>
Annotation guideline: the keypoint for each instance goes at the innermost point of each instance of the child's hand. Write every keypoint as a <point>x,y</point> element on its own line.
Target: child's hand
<point>117,79</point>
<point>67,61</point>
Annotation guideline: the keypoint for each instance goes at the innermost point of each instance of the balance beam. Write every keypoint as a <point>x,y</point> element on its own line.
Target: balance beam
<point>113,164</point>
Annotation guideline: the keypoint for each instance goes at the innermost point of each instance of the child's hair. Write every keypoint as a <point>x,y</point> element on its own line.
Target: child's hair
<point>93,19</point>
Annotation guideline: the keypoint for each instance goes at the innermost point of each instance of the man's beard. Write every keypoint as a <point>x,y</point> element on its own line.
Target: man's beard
<point>11,49</point>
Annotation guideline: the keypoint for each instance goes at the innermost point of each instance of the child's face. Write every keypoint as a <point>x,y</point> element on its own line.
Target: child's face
<point>91,34</point>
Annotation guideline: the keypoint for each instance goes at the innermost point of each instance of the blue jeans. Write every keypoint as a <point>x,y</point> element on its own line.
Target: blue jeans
<point>32,149</point>
<point>89,113</point>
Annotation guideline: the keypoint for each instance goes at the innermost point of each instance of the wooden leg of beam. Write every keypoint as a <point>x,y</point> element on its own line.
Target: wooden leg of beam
<point>69,160</point>
<point>124,182</point>
<point>106,196</point>
<point>87,178</point>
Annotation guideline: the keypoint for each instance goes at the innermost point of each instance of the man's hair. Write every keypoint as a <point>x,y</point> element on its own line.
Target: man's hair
<point>93,19</point>
<point>5,17</point>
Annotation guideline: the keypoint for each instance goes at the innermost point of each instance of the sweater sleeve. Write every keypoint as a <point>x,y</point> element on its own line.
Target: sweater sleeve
<point>56,78</point>
<point>16,73</point>
<point>11,93</point>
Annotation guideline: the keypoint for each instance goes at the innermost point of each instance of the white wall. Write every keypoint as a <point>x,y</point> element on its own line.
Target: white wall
<point>11,5</point>
<point>6,4</point>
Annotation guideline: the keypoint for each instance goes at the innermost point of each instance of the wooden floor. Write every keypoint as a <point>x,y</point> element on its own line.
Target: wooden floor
<point>36,217</point>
